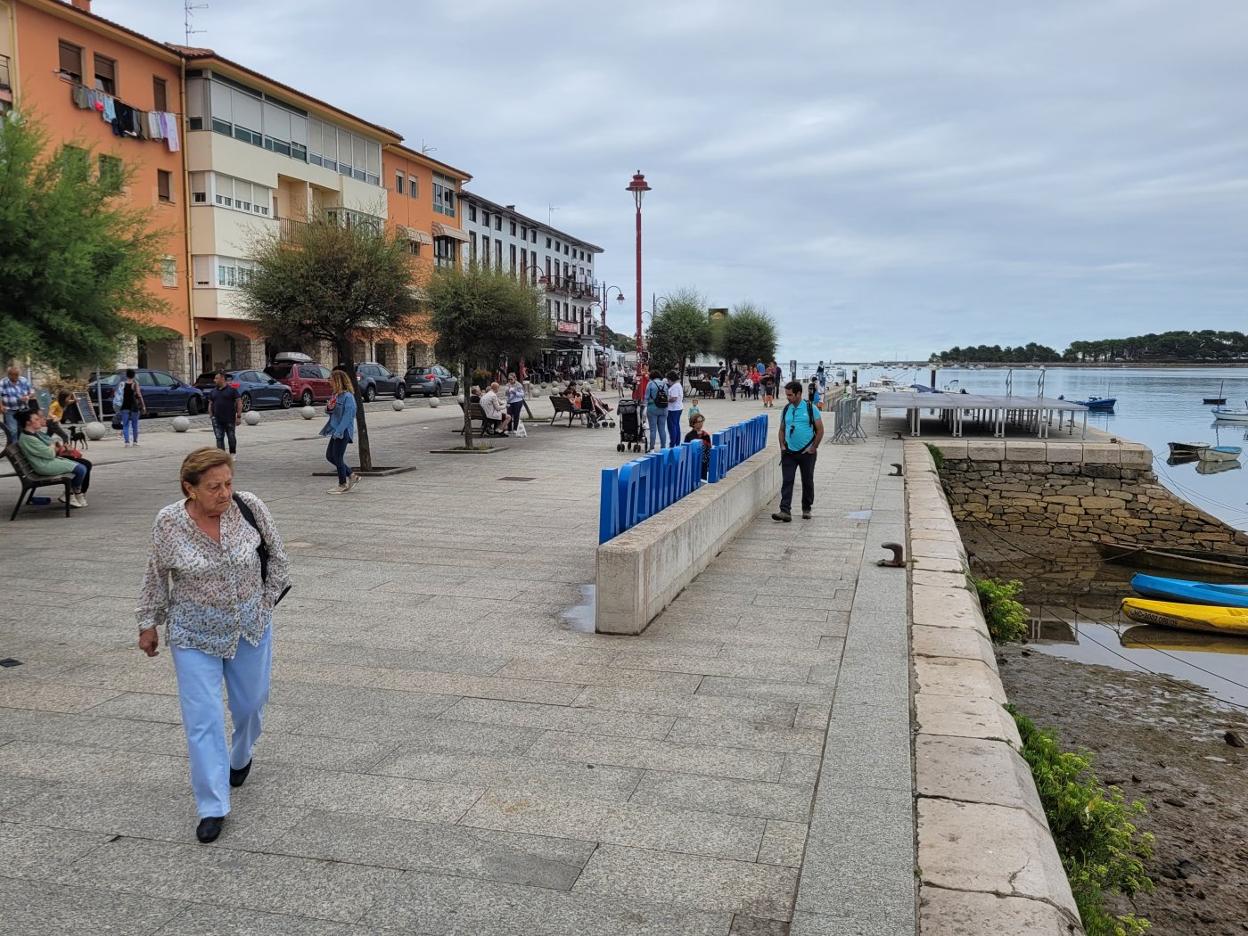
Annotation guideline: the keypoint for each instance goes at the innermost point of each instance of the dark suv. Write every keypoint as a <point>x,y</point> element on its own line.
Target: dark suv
<point>374,379</point>
<point>431,380</point>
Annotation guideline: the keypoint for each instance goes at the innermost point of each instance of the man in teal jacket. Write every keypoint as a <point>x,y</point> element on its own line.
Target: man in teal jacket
<point>44,460</point>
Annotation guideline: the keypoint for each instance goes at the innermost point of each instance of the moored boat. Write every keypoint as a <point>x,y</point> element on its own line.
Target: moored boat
<point>1098,404</point>
<point>1163,588</point>
<point>1216,400</point>
<point>1194,617</point>
<point>1148,637</point>
<point>1181,449</point>
<point>1221,453</point>
<point>1205,563</point>
<point>1230,415</point>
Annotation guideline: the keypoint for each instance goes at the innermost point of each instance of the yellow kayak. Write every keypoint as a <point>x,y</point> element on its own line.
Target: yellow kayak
<point>1147,637</point>
<point>1187,616</point>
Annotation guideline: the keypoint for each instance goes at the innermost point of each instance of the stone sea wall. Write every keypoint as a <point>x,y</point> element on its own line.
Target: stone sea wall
<point>1092,492</point>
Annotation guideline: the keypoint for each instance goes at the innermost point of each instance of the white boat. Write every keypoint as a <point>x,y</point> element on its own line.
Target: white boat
<point>1230,415</point>
<point>1220,453</point>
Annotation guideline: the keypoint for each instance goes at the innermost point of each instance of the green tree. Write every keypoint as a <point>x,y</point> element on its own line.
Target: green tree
<point>681,331</point>
<point>73,256</point>
<point>481,315</point>
<point>327,280</point>
<point>749,335</point>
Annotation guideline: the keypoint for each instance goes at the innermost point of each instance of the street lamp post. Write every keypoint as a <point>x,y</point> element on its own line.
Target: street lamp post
<point>604,292</point>
<point>638,187</point>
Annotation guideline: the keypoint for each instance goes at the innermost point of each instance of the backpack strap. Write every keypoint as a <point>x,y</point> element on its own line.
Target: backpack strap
<point>263,549</point>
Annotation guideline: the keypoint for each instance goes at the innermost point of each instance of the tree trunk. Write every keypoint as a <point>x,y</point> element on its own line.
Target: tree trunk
<point>346,361</point>
<point>464,389</point>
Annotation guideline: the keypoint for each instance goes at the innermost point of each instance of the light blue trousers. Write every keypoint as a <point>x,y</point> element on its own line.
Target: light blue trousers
<point>203,715</point>
<point>658,430</point>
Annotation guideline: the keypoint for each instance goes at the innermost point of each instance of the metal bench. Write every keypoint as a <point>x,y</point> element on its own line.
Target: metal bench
<point>31,481</point>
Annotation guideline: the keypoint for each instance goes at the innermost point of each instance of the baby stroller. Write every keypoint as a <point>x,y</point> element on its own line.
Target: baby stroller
<point>632,426</point>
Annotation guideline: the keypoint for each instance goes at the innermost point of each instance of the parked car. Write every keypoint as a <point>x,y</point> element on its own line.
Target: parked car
<point>163,393</point>
<point>433,379</point>
<point>308,381</point>
<point>256,389</point>
<point>374,379</point>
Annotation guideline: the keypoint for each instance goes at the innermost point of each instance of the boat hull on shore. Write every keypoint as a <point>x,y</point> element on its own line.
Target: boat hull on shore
<point>1193,617</point>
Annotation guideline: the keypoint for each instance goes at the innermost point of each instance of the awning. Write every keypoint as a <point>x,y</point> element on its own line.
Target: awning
<point>443,230</point>
<point>415,234</point>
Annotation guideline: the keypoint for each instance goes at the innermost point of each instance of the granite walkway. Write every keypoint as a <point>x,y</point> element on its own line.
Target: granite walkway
<point>446,752</point>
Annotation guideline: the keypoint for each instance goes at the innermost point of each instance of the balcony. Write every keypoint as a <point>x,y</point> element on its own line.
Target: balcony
<point>568,286</point>
<point>290,228</point>
<point>348,217</point>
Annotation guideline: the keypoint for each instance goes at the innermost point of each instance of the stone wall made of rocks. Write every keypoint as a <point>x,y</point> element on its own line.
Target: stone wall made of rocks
<point>1085,492</point>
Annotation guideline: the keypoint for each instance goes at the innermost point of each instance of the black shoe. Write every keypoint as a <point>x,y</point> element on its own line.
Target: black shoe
<point>239,777</point>
<point>209,828</point>
<point>805,514</point>
<point>782,516</point>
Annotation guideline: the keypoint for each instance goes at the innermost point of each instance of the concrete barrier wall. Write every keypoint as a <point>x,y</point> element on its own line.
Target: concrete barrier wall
<point>643,569</point>
<point>987,860</point>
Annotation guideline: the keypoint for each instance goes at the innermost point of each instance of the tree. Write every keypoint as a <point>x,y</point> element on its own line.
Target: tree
<point>326,280</point>
<point>481,315</point>
<point>73,256</point>
<point>749,335</point>
<point>679,332</point>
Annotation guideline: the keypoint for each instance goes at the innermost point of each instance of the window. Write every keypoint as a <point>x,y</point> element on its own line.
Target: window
<point>411,187</point>
<point>76,158</point>
<point>160,94</point>
<point>513,228</point>
<point>413,247</point>
<point>472,246</point>
<point>105,74</point>
<point>533,266</point>
<point>533,238</point>
<point>524,233</point>
<point>498,222</point>
<point>444,195</point>
<point>548,269</point>
<point>398,182</point>
<point>199,188</point>
<point>472,213</point>
<point>145,379</point>
<point>164,185</point>
<point>548,243</point>
<point>71,61</point>
<point>110,173</point>
<point>498,254</point>
<point>513,260</point>
<point>565,250</point>
<point>444,251</point>
<point>485,218</point>
<point>168,271</point>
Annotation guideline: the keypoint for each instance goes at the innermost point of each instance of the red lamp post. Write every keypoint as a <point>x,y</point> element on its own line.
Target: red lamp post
<point>638,187</point>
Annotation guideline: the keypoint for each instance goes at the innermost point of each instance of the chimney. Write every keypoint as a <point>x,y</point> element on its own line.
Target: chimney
<point>511,207</point>
<point>84,5</point>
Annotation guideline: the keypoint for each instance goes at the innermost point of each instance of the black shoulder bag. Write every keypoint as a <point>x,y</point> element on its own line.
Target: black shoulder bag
<point>263,549</point>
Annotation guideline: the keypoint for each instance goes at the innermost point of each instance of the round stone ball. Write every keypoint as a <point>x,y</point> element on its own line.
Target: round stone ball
<point>181,424</point>
<point>95,431</point>
<point>251,418</point>
<point>308,412</point>
<point>398,406</point>
<point>433,402</point>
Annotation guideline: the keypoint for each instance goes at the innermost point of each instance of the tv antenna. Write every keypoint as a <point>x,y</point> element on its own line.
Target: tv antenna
<point>426,149</point>
<point>189,11</point>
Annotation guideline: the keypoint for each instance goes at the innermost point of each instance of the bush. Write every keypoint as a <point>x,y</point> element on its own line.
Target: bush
<point>1006,616</point>
<point>1100,847</point>
<point>938,457</point>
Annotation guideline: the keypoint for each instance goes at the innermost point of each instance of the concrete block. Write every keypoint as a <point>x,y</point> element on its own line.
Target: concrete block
<point>985,451</point>
<point>964,717</point>
<point>1137,456</point>
<point>977,771</point>
<point>961,678</point>
<point>952,448</point>
<point>937,549</point>
<point>980,847</point>
<point>1101,453</point>
<point>1064,452</point>
<point>642,570</point>
<point>941,580</point>
<point>930,564</point>
<point>967,913</point>
<point>960,643</point>
<point>947,607</point>
<point>1030,451</point>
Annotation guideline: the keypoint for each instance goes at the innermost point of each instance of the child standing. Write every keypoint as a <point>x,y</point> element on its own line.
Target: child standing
<point>697,432</point>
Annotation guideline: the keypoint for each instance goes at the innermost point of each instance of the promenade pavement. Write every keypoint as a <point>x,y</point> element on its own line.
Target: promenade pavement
<point>447,749</point>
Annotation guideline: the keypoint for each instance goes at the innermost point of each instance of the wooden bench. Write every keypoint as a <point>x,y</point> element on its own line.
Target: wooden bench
<point>31,481</point>
<point>476,414</point>
<point>563,406</point>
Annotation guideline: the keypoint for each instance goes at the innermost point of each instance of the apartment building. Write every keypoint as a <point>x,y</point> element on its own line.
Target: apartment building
<point>561,265</point>
<point>95,84</point>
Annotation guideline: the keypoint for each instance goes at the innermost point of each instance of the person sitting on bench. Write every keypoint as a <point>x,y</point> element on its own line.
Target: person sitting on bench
<point>497,419</point>
<point>48,461</point>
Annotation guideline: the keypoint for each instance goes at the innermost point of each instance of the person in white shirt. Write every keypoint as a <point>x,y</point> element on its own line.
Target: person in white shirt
<point>495,413</point>
<point>675,406</point>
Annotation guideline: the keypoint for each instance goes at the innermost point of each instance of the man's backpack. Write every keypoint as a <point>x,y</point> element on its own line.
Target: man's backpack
<point>660,397</point>
<point>784,413</point>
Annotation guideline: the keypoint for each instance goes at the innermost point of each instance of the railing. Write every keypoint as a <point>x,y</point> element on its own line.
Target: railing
<point>349,217</point>
<point>291,228</point>
<point>639,489</point>
<point>569,285</point>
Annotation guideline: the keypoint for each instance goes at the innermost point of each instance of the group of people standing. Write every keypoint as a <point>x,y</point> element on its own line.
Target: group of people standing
<point>665,402</point>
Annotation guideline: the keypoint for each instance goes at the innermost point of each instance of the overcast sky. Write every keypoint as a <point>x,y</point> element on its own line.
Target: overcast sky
<point>887,179</point>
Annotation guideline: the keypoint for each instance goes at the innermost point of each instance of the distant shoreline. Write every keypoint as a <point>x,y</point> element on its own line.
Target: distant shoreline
<point>998,365</point>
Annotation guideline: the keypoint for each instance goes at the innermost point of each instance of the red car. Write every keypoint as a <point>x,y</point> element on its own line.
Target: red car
<point>308,381</point>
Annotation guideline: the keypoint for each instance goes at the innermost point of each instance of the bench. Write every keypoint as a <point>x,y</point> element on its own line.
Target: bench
<point>563,406</point>
<point>31,481</point>
<point>476,414</point>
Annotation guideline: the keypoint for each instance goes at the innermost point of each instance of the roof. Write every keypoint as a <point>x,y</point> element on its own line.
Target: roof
<point>66,11</point>
<point>424,157</point>
<point>495,206</point>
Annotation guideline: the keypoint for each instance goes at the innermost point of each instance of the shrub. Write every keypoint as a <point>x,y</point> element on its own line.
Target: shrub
<point>938,457</point>
<point>1100,847</point>
<point>1006,616</point>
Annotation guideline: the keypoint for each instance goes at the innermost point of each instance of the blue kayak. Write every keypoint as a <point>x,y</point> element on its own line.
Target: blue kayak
<point>1172,589</point>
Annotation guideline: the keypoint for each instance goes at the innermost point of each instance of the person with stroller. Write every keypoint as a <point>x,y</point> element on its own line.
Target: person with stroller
<point>596,411</point>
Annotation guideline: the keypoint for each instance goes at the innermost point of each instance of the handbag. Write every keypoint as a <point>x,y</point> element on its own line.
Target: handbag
<point>262,550</point>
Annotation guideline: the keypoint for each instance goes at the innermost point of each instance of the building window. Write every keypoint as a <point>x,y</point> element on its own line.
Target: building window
<point>413,246</point>
<point>412,190</point>
<point>240,195</point>
<point>160,94</point>
<point>105,74</point>
<point>71,61</point>
<point>472,246</point>
<point>548,269</point>
<point>485,218</point>
<point>110,173</point>
<point>168,271</point>
<point>533,266</point>
<point>472,213</point>
<point>513,228</point>
<point>498,254</point>
<point>164,185</point>
<point>513,260</point>
<point>444,195</point>
<point>498,222</point>
<point>548,243</point>
<point>444,251</point>
<point>398,182</point>
<point>199,188</point>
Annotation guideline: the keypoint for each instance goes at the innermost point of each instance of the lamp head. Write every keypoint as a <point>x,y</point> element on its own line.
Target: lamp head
<point>638,186</point>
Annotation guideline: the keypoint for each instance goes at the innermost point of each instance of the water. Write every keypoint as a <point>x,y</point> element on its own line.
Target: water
<point>1155,406</point>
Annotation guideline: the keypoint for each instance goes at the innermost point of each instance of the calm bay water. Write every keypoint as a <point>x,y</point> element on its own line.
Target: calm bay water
<point>1155,406</point>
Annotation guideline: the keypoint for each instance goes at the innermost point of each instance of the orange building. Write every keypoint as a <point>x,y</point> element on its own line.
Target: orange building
<point>59,61</point>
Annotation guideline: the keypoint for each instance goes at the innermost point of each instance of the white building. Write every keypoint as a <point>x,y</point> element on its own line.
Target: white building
<point>561,265</point>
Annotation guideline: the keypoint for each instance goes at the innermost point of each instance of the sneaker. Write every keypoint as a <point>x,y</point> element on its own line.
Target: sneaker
<point>340,489</point>
<point>782,516</point>
<point>135,443</point>
<point>127,445</point>
<point>352,482</point>
<point>79,500</point>
<point>805,514</point>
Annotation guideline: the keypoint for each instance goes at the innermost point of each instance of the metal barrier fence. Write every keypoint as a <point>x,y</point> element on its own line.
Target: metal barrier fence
<point>642,487</point>
<point>848,411</point>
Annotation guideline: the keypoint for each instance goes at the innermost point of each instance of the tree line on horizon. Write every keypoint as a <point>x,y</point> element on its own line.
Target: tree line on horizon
<point>1203,345</point>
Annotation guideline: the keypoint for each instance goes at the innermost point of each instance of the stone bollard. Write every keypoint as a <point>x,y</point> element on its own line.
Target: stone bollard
<point>95,431</point>
<point>308,412</point>
<point>398,406</point>
<point>433,402</point>
<point>251,418</point>
<point>180,424</point>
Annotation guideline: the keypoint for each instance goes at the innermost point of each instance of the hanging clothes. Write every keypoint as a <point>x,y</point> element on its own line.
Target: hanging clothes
<point>169,126</point>
<point>140,124</point>
<point>153,126</point>
<point>80,98</point>
<point>110,109</point>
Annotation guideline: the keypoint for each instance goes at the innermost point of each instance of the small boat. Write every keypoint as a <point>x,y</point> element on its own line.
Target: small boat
<point>1216,400</point>
<point>1192,617</point>
<point>1214,467</point>
<point>1147,637</point>
<point>1230,415</point>
<point>1205,563</point>
<point>1182,449</point>
<point>1221,453</point>
<point>1162,588</point>
<point>1098,404</point>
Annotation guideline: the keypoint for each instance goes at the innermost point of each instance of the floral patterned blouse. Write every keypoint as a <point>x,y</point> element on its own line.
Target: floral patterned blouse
<point>209,594</point>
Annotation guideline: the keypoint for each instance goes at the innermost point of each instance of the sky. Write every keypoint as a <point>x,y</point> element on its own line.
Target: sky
<point>885,179</point>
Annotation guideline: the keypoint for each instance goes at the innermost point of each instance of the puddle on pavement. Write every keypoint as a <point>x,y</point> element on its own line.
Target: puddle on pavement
<point>580,617</point>
<point>858,515</point>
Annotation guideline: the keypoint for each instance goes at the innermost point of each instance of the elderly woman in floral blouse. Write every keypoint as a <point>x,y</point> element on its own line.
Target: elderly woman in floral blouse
<point>216,571</point>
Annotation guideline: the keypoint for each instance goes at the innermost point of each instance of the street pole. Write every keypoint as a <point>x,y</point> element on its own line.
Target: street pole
<point>638,187</point>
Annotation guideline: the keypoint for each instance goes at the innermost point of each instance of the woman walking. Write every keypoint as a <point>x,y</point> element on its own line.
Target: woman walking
<point>515,400</point>
<point>128,404</point>
<point>340,427</point>
<point>216,571</point>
